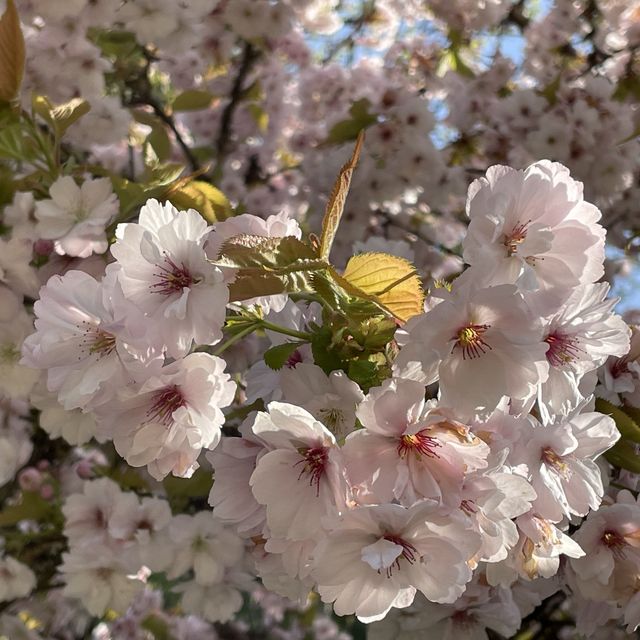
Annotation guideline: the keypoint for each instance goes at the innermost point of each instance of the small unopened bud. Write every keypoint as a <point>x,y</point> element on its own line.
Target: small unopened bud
<point>43,247</point>
<point>46,492</point>
<point>30,479</point>
<point>84,469</point>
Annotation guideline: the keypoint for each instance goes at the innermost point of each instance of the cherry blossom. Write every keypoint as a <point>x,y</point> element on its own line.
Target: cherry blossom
<point>377,557</point>
<point>76,216</point>
<point>163,269</point>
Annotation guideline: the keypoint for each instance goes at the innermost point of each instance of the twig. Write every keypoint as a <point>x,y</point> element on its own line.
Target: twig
<point>249,55</point>
<point>168,120</point>
<point>391,220</point>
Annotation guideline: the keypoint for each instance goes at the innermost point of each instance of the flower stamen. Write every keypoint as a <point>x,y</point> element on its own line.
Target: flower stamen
<point>409,552</point>
<point>552,459</point>
<point>315,460</point>
<point>419,444</point>
<point>470,340</point>
<point>562,350</point>
<point>516,237</point>
<point>172,278</point>
<point>165,403</point>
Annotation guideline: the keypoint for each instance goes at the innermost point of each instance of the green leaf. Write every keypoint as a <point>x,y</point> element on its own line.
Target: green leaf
<point>157,627</point>
<point>550,92</point>
<point>115,44</point>
<point>266,266</point>
<point>12,143</point>
<point>197,486</point>
<point>192,100</point>
<point>364,373</point>
<point>260,116</point>
<point>261,252</point>
<point>324,352</point>
<point>164,174</point>
<point>277,356</point>
<point>126,478</point>
<point>60,117</point>
<point>348,130</point>
<point>160,141</point>
<point>628,88</point>
<point>31,507</point>
<point>623,455</point>
<point>129,193</point>
<point>337,199</point>
<point>12,54</point>
<point>624,417</point>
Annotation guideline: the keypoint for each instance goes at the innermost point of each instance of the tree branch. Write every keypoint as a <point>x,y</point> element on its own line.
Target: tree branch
<point>249,55</point>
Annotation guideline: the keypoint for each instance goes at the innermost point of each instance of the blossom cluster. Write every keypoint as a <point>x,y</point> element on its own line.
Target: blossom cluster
<point>487,474</point>
<point>116,540</point>
<point>224,414</point>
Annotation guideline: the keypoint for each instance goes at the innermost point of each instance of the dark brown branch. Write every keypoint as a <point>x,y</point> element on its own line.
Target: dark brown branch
<point>249,55</point>
<point>168,120</point>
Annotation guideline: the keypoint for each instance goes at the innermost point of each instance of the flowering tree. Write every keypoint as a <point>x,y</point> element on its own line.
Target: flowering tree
<point>305,319</point>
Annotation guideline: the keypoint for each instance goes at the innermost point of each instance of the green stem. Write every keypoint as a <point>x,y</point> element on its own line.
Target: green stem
<point>235,338</point>
<point>301,335</point>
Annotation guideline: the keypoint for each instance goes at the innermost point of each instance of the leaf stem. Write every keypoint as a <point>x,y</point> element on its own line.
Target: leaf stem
<point>301,335</point>
<point>235,338</point>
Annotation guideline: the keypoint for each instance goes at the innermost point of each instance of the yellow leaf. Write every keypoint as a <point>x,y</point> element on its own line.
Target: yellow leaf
<point>60,116</point>
<point>338,196</point>
<point>388,280</point>
<point>11,54</point>
<point>205,198</point>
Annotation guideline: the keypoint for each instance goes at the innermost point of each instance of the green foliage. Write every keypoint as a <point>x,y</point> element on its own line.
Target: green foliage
<point>157,627</point>
<point>452,57</point>
<point>623,453</point>
<point>30,507</point>
<point>625,419</point>
<point>550,92</point>
<point>182,491</point>
<point>266,266</point>
<point>60,117</point>
<point>277,356</point>
<point>114,44</point>
<point>192,100</point>
<point>360,347</point>
<point>348,130</point>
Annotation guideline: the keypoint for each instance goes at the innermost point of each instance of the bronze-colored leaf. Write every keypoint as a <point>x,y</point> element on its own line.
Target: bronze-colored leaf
<point>335,205</point>
<point>12,54</point>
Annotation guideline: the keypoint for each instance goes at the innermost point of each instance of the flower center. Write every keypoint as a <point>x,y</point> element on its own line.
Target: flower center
<point>562,350</point>
<point>103,343</point>
<point>619,367</point>
<point>9,353</point>
<point>314,461</point>
<point>552,459</point>
<point>96,341</point>
<point>614,541</point>
<point>419,444</point>
<point>331,417</point>
<point>294,359</point>
<point>172,278</point>
<point>469,507</point>
<point>514,239</point>
<point>470,339</point>
<point>409,552</point>
<point>164,403</point>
